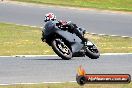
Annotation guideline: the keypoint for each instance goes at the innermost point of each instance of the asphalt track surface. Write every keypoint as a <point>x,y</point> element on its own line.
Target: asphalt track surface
<point>93,21</point>
<point>53,69</point>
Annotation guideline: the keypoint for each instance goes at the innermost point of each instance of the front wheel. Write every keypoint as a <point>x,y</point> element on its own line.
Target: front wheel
<point>61,49</point>
<point>92,51</point>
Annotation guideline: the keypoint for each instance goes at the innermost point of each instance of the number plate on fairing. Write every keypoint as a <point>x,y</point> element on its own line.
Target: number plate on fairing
<point>89,43</point>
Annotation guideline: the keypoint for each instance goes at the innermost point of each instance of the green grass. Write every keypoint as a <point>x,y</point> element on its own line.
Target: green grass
<point>19,40</point>
<point>108,44</point>
<point>70,85</point>
<point>124,5</point>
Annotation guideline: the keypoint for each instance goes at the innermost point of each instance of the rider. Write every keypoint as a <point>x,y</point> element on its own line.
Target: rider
<point>71,27</point>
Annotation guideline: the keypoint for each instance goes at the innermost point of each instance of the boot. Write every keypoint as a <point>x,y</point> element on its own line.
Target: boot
<point>84,40</point>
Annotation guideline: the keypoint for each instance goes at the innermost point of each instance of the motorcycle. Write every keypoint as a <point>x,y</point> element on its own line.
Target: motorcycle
<point>67,45</point>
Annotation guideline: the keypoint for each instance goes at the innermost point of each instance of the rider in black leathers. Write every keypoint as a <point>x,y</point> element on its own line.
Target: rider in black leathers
<point>71,27</point>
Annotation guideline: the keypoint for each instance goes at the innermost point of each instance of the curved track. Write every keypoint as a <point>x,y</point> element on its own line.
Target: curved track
<point>93,21</point>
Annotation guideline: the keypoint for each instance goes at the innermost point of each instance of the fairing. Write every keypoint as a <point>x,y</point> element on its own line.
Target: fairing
<point>51,29</point>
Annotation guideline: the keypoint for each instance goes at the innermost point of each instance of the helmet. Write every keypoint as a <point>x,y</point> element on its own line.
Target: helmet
<point>49,17</point>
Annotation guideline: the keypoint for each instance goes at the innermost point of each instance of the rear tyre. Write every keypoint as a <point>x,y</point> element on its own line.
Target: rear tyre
<point>61,49</point>
<point>92,51</point>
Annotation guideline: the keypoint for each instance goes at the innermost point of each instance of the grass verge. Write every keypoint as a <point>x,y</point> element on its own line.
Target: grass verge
<point>70,85</point>
<point>123,5</point>
<point>20,40</point>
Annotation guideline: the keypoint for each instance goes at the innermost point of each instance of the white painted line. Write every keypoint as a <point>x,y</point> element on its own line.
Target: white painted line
<point>116,54</point>
<point>38,83</point>
<point>28,25</point>
<point>109,35</point>
<point>126,37</point>
<point>24,25</point>
<point>33,55</point>
<point>86,32</point>
<point>57,55</point>
<point>6,56</point>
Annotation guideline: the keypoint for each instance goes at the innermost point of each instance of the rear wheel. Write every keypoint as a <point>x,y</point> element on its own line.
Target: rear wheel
<point>92,51</point>
<point>61,49</point>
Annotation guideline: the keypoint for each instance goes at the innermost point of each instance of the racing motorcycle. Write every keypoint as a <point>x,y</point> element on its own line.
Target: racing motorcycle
<point>67,45</point>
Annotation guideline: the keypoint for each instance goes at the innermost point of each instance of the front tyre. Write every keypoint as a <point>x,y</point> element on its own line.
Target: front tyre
<point>92,51</point>
<point>61,49</point>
